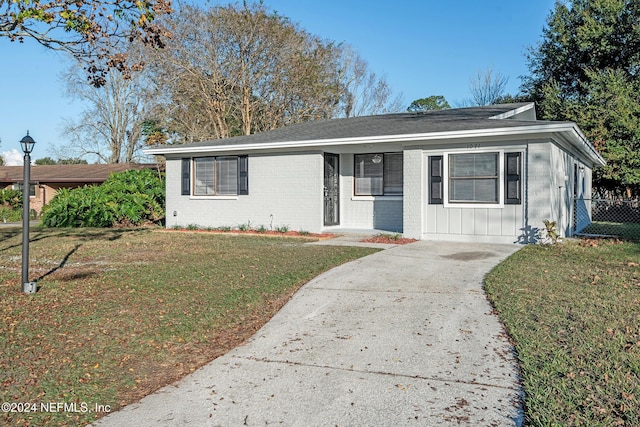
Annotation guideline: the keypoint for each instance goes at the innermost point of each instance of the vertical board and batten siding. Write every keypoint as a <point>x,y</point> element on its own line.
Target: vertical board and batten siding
<point>280,194</point>
<point>376,212</point>
<point>504,224</point>
<point>500,222</point>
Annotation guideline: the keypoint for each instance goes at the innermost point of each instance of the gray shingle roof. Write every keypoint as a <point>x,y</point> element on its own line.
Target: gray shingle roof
<point>382,125</point>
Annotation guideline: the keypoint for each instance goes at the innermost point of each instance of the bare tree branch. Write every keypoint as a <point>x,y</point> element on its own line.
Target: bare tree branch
<point>94,32</point>
<point>487,87</point>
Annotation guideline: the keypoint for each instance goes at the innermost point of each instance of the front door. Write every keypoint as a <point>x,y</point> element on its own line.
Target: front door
<point>331,190</point>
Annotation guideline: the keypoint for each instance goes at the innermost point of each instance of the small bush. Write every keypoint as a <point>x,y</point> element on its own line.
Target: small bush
<point>9,214</point>
<point>127,198</point>
<point>11,198</point>
<point>245,227</point>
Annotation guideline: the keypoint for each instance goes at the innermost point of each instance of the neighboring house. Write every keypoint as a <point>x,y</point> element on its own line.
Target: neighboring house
<point>476,174</point>
<point>46,180</point>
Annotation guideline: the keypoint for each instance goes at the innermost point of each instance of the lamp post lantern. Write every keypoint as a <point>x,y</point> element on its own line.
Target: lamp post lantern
<point>27,146</point>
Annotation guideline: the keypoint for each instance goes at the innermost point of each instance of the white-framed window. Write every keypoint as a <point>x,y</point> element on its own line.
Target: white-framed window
<point>378,174</point>
<point>475,179</point>
<point>32,188</point>
<point>215,176</point>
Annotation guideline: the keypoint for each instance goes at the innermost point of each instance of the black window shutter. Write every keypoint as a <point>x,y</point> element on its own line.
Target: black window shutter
<point>513,178</point>
<point>435,180</point>
<point>243,175</point>
<point>186,177</point>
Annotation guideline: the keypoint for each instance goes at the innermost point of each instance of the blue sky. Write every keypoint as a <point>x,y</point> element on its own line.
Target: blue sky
<point>422,47</point>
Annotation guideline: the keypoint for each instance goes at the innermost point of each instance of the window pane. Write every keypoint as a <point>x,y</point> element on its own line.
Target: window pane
<point>393,173</point>
<point>204,178</point>
<point>473,178</point>
<point>32,188</point>
<point>473,190</point>
<point>368,174</point>
<point>475,164</point>
<point>227,175</point>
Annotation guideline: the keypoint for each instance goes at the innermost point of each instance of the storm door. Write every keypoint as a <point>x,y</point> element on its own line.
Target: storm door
<point>331,189</point>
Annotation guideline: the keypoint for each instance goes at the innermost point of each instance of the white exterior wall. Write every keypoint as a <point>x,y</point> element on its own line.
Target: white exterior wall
<point>284,190</point>
<point>500,224</point>
<point>549,189</point>
<point>366,212</point>
<point>537,190</point>
<point>566,183</point>
<point>561,189</point>
<point>415,192</point>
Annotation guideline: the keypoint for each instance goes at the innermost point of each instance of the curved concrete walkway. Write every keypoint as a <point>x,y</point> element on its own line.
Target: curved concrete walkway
<point>402,337</point>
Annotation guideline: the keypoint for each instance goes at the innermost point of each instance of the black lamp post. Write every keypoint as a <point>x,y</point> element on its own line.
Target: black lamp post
<point>27,146</point>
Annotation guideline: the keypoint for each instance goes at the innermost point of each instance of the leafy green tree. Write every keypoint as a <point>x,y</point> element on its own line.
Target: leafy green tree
<point>69,161</point>
<point>94,32</point>
<point>585,69</point>
<point>46,161</point>
<point>510,99</point>
<point>72,161</point>
<point>434,102</point>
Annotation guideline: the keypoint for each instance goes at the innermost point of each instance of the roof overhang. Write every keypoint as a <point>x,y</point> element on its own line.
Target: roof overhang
<point>567,133</point>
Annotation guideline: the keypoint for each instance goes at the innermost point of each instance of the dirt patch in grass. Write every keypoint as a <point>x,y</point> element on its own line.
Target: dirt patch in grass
<point>120,313</point>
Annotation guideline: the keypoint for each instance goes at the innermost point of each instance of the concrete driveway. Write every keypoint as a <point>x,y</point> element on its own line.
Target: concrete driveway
<point>402,337</point>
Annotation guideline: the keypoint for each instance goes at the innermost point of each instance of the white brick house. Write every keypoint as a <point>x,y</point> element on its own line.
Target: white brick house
<point>476,174</point>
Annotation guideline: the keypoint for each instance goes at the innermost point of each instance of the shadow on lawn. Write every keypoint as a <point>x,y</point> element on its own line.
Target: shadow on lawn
<point>62,263</point>
<point>82,234</point>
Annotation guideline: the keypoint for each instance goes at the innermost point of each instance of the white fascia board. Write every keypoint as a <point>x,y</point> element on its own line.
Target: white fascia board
<point>473,133</point>
<point>579,141</point>
<point>514,112</point>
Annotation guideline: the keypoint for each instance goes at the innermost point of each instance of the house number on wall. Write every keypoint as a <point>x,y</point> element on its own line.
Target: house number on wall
<point>473,146</point>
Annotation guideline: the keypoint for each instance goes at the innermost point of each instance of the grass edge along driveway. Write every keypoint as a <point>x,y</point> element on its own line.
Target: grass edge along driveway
<point>573,312</point>
<point>121,313</point>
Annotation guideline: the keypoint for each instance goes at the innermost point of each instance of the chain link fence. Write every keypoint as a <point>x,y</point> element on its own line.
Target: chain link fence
<point>608,218</point>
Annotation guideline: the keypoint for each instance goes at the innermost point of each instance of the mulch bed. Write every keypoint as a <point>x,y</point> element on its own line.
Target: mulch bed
<point>392,240</point>
<point>272,233</point>
<point>389,240</point>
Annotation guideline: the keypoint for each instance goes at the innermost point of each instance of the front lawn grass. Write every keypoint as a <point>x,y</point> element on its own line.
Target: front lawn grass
<point>121,313</point>
<point>573,312</point>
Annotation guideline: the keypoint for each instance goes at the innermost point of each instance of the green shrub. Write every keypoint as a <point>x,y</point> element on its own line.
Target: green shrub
<point>132,197</point>
<point>11,198</point>
<point>10,214</point>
